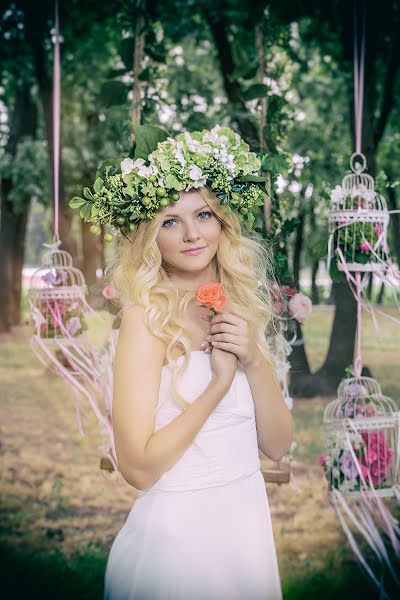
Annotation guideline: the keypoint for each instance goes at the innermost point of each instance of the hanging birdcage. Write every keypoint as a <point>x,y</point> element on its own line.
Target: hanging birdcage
<point>61,341</point>
<point>358,223</point>
<point>57,297</point>
<point>362,430</point>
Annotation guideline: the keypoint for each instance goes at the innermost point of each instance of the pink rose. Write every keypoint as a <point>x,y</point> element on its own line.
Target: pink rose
<point>300,307</point>
<point>322,458</point>
<point>109,291</point>
<point>378,229</point>
<point>366,247</point>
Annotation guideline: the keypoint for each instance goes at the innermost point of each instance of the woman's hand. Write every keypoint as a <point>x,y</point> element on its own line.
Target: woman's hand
<point>231,333</point>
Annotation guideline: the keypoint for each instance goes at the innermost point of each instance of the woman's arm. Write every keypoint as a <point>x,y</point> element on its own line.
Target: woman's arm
<point>274,420</point>
<point>167,445</point>
<point>144,455</point>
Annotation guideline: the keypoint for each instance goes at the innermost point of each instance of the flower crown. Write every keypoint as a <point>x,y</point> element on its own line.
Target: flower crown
<point>130,190</point>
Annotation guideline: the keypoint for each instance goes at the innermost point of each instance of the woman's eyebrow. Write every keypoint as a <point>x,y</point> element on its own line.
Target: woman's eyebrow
<point>195,211</point>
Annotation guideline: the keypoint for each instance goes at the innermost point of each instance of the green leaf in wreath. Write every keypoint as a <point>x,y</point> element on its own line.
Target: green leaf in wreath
<point>252,178</point>
<point>250,218</point>
<point>98,184</point>
<point>86,212</point>
<point>146,139</point>
<point>76,202</point>
<point>95,210</point>
<point>87,193</point>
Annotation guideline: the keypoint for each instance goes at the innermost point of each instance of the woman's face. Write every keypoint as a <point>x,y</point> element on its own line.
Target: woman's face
<point>186,224</point>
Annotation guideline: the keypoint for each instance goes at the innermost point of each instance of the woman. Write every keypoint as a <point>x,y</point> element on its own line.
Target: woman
<point>201,528</point>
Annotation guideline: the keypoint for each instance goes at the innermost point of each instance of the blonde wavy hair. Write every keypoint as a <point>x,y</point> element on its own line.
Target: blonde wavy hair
<point>243,264</point>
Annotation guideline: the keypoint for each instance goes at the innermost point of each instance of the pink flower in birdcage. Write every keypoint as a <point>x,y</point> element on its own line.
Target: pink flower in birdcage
<point>377,456</point>
<point>300,307</point>
<point>276,291</point>
<point>60,307</point>
<point>322,459</point>
<point>288,291</point>
<point>365,247</point>
<point>278,307</point>
<point>60,278</point>
<point>378,229</point>
<point>109,291</point>
<point>369,410</point>
<point>73,325</point>
<point>354,390</point>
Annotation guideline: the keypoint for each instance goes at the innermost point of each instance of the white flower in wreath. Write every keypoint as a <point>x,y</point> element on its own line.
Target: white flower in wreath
<point>195,172</point>
<point>213,137</point>
<point>127,165</point>
<point>180,158</point>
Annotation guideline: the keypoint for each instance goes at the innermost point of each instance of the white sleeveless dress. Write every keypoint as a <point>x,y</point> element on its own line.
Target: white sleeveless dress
<point>203,531</point>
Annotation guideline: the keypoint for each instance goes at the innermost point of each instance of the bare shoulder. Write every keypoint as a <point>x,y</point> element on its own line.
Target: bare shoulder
<point>135,336</point>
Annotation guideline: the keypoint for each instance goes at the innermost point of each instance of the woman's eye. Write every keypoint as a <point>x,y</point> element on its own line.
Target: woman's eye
<point>203,212</point>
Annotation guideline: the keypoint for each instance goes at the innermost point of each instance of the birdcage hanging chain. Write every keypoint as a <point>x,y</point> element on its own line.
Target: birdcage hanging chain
<point>359,62</point>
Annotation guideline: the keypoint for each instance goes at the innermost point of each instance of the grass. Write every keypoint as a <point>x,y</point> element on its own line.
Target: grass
<point>59,513</point>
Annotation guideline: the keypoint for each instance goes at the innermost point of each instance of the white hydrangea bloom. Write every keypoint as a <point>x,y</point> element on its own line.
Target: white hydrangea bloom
<point>213,136</point>
<point>195,172</point>
<point>127,165</point>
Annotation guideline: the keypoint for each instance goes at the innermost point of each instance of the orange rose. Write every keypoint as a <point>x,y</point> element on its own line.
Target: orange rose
<point>211,296</point>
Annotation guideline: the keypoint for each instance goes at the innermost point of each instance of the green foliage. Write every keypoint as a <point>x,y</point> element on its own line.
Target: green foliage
<point>146,139</point>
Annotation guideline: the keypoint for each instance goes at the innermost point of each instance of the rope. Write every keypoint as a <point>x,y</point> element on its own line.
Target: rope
<point>56,121</point>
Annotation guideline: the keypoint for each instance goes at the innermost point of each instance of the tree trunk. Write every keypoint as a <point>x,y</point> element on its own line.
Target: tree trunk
<point>18,253</point>
<point>314,287</point>
<point>395,221</point>
<point>341,349</point>
<point>23,123</point>
<point>91,250</point>
<point>380,295</point>
<point>298,245</point>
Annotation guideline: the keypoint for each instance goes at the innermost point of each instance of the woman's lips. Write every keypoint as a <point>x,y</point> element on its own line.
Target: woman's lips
<point>194,252</point>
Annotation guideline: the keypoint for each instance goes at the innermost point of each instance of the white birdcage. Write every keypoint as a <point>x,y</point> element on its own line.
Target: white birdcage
<point>57,297</point>
<point>362,429</point>
<point>358,223</point>
<point>281,349</point>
